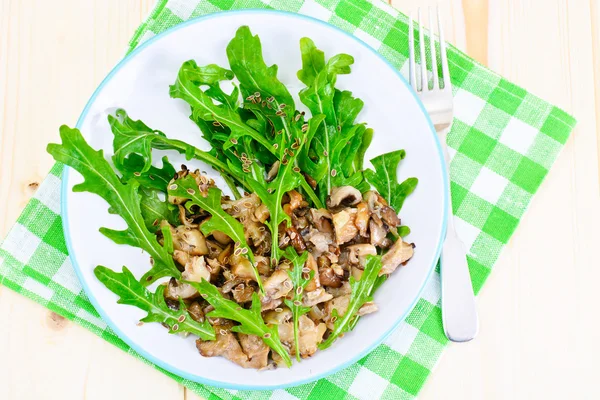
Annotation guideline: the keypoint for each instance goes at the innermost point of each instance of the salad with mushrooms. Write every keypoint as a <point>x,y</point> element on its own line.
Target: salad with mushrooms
<point>288,261</point>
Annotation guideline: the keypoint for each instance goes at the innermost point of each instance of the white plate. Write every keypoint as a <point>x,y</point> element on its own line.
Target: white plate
<point>140,85</point>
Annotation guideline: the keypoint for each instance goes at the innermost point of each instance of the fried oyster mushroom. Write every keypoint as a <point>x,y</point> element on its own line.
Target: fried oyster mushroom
<point>338,240</point>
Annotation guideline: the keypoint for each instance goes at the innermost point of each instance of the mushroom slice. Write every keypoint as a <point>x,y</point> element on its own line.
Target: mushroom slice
<point>296,239</point>
<point>190,240</point>
<point>329,278</point>
<point>241,267</point>
<point>358,253</point>
<point>273,171</point>
<point>321,219</point>
<point>342,290</point>
<point>176,290</point>
<point>343,224</point>
<point>340,304</point>
<point>315,282</point>
<point>196,270</point>
<point>242,293</point>
<point>399,253</point>
<point>276,287</point>
<point>320,240</point>
<point>255,349</point>
<point>390,217</point>
<point>362,218</point>
<point>378,234</point>
<point>225,345</point>
<point>221,237</point>
<point>278,316</point>
<point>278,284</point>
<point>309,335</point>
<point>317,296</point>
<point>262,213</point>
<point>367,308</point>
<point>343,196</point>
<point>296,200</point>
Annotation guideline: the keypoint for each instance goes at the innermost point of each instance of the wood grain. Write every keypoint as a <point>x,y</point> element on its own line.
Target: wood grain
<point>538,334</point>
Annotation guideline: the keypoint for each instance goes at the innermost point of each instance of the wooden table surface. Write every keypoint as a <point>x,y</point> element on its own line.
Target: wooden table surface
<point>539,335</point>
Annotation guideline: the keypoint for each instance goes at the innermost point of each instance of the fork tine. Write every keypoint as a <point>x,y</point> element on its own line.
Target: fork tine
<point>424,78</point>
<point>411,55</point>
<point>434,66</point>
<point>443,55</point>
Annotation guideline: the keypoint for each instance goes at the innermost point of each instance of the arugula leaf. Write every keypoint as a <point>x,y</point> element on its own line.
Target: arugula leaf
<point>154,178</point>
<point>361,293</point>
<point>403,231</point>
<point>151,182</point>
<point>338,140</point>
<point>298,280</point>
<point>134,137</point>
<point>251,322</point>
<point>359,159</point>
<point>133,293</point>
<point>245,56</point>
<point>220,220</point>
<point>155,210</point>
<point>123,199</point>
<point>203,107</point>
<point>385,179</point>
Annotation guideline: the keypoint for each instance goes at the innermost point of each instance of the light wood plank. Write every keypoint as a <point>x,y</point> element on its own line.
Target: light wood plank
<point>538,332</point>
<point>52,56</point>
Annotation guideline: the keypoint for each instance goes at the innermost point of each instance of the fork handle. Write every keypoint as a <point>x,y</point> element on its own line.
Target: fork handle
<point>459,311</point>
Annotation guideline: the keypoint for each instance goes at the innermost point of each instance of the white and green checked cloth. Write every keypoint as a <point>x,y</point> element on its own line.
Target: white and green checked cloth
<point>502,144</point>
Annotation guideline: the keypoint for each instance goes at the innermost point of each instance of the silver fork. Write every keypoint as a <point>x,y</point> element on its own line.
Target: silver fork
<point>459,313</point>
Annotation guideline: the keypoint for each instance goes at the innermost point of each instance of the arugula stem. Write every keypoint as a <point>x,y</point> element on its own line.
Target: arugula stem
<point>232,186</point>
<point>311,193</point>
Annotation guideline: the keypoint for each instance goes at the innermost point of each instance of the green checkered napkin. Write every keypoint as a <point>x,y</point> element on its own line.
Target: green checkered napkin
<point>502,144</point>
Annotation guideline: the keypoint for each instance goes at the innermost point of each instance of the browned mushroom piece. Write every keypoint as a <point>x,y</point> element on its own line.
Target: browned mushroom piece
<point>277,285</point>
<point>184,219</point>
<point>362,218</point>
<point>358,253</point>
<point>242,293</point>
<point>311,265</point>
<point>255,349</point>
<point>398,254</point>
<point>321,219</point>
<point>221,238</point>
<point>319,241</point>
<point>390,217</point>
<point>317,296</point>
<point>176,290</point>
<point>296,200</point>
<point>226,345</point>
<point>241,267</point>
<point>273,171</point>
<point>195,311</point>
<point>215,268</point>
<point>378,234</point>
<point>310,335</point>
<point>262,213</point>
<point>342,290</point>
<point>214,248</point>
<point>296,239</point>
<point>329,278</point>
<point>196,270</point>
<point>343,224</point>
<point>367,308</point>
<point>343,196</point>
<point>190,240</point>
<point>277,316</point>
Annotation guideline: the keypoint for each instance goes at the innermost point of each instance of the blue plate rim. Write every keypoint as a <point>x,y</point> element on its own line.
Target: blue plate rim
<point>171,368</point>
